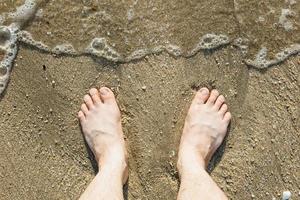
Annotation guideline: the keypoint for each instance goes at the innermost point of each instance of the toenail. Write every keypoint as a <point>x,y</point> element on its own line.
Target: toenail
<point>104,91</point>
<point>93,91</point>
<point>204,91</point>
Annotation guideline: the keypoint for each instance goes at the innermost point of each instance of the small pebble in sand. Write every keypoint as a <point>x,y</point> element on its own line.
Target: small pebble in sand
<point>286,195</point>
<point>144,87</point>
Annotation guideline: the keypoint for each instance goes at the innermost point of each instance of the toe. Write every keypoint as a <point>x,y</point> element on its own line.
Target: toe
<point>223,109</point>
<point>95,95</point>
<point>107,95</point>
<point>81,116</point>
<point>88,101</point>
<point>84,109</point>
<point>219,102</point>
<point>227,117</point>
<point>201,96</point>
<point>213,97</point>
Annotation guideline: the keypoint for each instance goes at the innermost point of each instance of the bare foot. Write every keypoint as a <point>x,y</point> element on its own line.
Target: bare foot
<point>204,130</point>
<point>100,119</point>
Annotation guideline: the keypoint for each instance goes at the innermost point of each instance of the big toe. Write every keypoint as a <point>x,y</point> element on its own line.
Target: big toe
<point>201,96</point>
<point>107,96</point>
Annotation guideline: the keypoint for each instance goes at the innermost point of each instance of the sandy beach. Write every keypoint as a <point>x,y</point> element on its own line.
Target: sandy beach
<point>42,151</point>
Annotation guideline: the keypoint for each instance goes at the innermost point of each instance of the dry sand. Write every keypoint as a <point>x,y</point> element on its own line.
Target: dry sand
<point>42,152</point>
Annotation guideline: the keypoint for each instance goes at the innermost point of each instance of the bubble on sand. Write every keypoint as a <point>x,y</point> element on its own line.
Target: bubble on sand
<point>4,35</point>
<point>3,82</point>
<point>158,49</point>
<point>2,19</point>
<point>141,53</point>
<point>138,54</point>
<point>130,14</point>
<point>285,21</point>
<point>24,13</point>
<point>242,44</point>
<point>261,19</point>
<point>3,71</point>
<point>261,61</point>
<point>100,48</point>
<point>210,41</point>
<point>286,195</point>
<point>9,37</point>
<point>64,49</point>
<point>173,50</point>
<point>291,2</point>
<point>39,13</point>
<point>26,37</point>
<point>8,52</point>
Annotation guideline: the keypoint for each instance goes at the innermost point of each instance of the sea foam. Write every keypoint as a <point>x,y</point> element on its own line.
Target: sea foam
<point>261,61</point>
<point>9,38</point>
<point>13,35</point>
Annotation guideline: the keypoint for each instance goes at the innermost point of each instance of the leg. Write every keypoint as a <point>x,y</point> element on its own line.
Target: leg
<point>100,120</point>
<point>204,130</point>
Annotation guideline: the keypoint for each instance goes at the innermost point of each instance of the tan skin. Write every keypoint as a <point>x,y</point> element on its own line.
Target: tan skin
<point>204,130</point>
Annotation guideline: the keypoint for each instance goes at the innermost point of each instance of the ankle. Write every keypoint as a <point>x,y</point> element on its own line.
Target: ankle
<point>199,147</point>
<point>113,156</point>
<point>113,162</point>
<point>117,168</point>
<point>187,172</point>
<point>190,163</point>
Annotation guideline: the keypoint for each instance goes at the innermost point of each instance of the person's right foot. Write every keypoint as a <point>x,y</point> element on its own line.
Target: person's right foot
<point>204,130</point>
<point>100,119</point>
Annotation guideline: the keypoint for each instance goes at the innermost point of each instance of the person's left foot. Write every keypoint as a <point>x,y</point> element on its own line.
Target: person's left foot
<point>100,119</point>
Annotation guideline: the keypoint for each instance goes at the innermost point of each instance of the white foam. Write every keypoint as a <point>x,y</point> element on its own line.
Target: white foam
<point>261,61</point>
<point>242,44</point>
<point>158,49</point>
<point>210,41</point>
<point>291,2</point>
<point>3,81</point>
<point>8,45</point>
<point>26,37</point>
<point>9,38</point>
<point>99,47</point>
<point>138,54</point>
<point>286,195</point>
<point>2,19</point>
<point>39,13</point>
<point>64,49</point>
<point>25,12</point>
<point>173,50</point>
<point>130,14</point>
<point>284,20</point>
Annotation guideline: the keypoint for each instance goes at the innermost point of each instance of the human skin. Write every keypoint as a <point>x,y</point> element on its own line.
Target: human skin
<point>204,130</point>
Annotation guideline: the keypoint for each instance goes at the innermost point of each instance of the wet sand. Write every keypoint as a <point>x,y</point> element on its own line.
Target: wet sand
<point>42,151</point>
